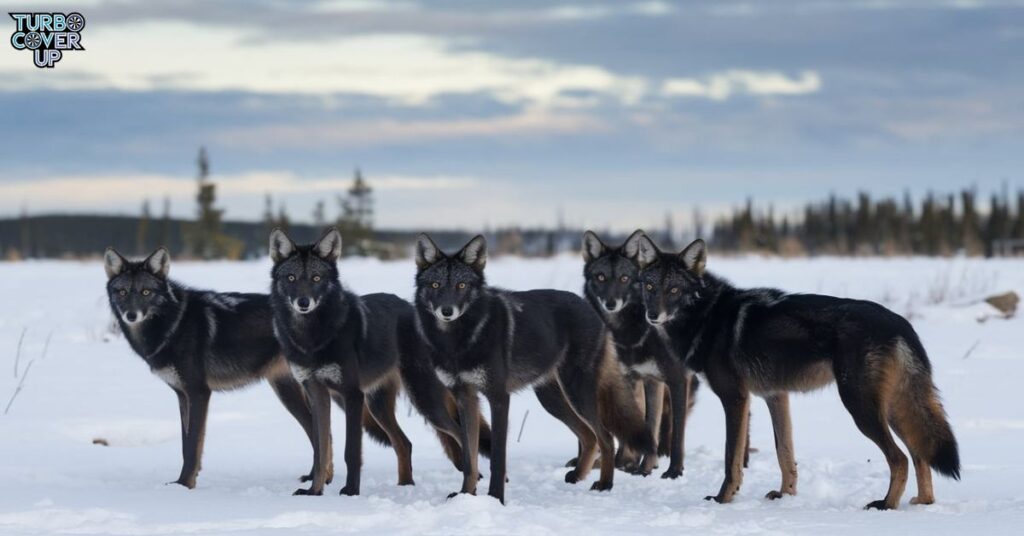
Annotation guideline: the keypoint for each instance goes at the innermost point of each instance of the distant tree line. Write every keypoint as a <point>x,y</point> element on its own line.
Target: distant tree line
<point>937,225</point>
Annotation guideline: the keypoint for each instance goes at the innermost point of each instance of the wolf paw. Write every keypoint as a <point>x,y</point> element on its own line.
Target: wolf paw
<point>572,462</point>
<point>571,478</point>
<point>409,482</point>
<point>303,491</point>
<point>672,473</point>
<point>190,484</point>
<point>773,495</point>
<point>717,498</point>
<point>455,494</point>
<point>919,500</point>
<point>877,505</point>
<point>351,491</point>
<point>601,486</point>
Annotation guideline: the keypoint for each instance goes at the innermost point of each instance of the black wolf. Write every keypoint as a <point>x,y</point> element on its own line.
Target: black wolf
<point>197,342</point>
<point>349,346</point>
<point>613,289</point>
<point>767,342</point>
<point>482,339</point>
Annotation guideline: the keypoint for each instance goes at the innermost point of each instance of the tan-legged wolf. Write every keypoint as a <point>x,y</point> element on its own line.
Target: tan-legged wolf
<point>769,343</point>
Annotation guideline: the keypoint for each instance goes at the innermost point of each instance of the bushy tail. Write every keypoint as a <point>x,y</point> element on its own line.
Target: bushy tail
<point>617,407</point>
<point>917,414</point>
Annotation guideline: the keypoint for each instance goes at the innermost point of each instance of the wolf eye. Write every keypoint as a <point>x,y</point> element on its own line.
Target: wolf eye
<point>145,292</point>
<point>462,286</point>
<point>435,284</point>
<point>316,279</point>
<point>291,278</point>
<point>674,290</point>
<point>624,279</point>
<point>123,292</point>
<point>600,277</point>
<point>650,286</point>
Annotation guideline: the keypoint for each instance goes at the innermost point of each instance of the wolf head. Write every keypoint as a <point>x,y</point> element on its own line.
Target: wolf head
<point>138,289</point>
<point>303,277</point>
<point>447,285</point>
<point>610,274</point>
<point>672,283</point>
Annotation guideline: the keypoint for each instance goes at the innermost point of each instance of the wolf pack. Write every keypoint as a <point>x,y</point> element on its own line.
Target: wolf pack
<point>618,366</point>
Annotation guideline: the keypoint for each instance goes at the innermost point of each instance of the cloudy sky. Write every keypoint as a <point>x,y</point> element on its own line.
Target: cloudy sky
<point>468,113</point>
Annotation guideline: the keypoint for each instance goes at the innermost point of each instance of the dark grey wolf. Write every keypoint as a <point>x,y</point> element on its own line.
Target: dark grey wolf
<point>767,342</point>
<point>198,342</point>
<point>482,339</point>
<point>612,287</point>
<point>349,346</point>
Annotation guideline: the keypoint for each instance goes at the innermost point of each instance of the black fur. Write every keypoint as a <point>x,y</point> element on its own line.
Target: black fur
<point>353,348</point>
<point>198,342</point>
<point>342,344</point>
<point>497,342</point>
<point>765,341</point>
<point>612,287</point>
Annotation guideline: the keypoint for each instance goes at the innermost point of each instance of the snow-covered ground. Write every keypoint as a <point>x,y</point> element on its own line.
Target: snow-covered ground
<point>90,385</point>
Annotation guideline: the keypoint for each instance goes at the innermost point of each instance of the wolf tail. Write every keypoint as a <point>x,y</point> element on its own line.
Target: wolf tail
<point>617,407</point>
<point>917,414</point>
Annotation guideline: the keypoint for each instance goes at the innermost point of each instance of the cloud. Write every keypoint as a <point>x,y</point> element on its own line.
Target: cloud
<point>362,6</point>
<point>116,191</point>
<point>574,12</point>
<point>406,69</point>
<point>723,85</point>
<point>397,132</point>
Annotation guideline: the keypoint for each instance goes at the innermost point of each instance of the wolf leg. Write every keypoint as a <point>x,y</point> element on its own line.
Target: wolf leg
<point>553,400</point>
<point>192,405</point>
<point>320,407</point>
<point>679,391</point>
<point>778,407</point>
<point>381,404</point>
<point>866,407</point>
<point>499,428</point>
<point>469,410</point>
<point>353,440</point>
<point>289,392</point>
<point>737,410</point>
<point>654,395</point>
<point>626,458</point>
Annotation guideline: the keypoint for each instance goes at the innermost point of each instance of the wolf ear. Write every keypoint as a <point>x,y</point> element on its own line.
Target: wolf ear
<point>695,257</point>
<point>631,248</point>
<point>158,263</point>
<point>328,247</point>
<point>475,253</point>
<point>113,263</point>
<point>592,246</point>
<point>281,247</point>
<point>427,252</point>
<point>647,252</point>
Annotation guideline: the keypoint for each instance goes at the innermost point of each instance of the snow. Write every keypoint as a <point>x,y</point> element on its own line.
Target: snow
<point>90,385</point>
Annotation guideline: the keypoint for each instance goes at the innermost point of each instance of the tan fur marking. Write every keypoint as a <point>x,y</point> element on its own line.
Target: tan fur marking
<point>778,407</point>
<point>654,415</point>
